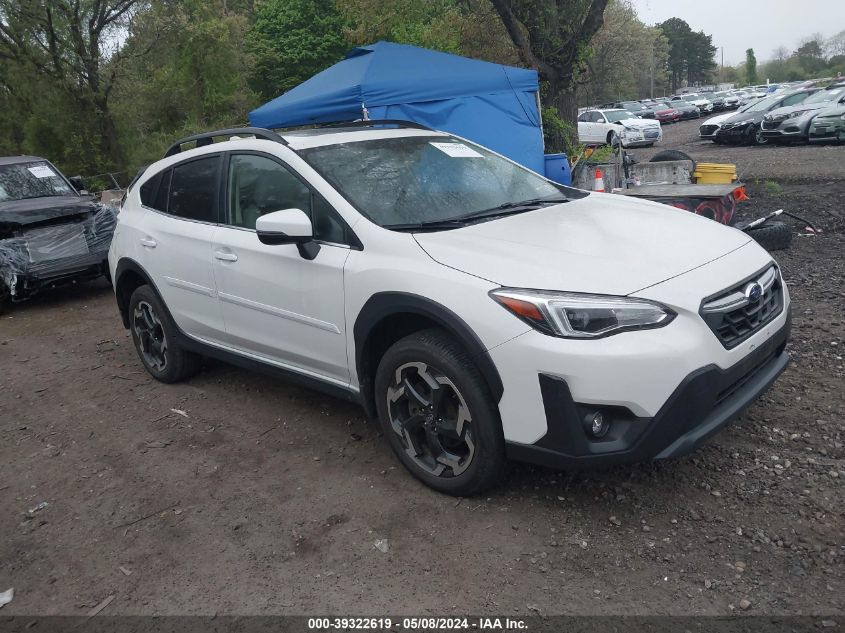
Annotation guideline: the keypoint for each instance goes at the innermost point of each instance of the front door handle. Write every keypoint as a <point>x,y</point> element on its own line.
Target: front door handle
<point>225,257</point>
<point>148,242</point>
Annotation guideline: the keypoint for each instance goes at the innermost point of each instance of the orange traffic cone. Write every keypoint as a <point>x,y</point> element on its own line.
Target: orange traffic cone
<point>598,185</point>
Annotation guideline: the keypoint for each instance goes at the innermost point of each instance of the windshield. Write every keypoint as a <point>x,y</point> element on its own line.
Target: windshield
<point>825,95</point>
<point>31,180</point>
<point>426,179</point>
<point>614,116</point>
<point>762,104</point>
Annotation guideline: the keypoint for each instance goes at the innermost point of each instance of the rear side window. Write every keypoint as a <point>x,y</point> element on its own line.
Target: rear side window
<point>148,190</point>
<point>193,190</point>
<point>154,191</point>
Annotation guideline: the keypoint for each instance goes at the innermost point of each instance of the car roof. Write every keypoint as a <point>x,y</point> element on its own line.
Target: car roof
<point>318,137</point>
<point>14,160</point>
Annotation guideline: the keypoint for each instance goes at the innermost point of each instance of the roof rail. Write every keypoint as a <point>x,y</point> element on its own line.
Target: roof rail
<point>375,122</point>
<point>257,132</point>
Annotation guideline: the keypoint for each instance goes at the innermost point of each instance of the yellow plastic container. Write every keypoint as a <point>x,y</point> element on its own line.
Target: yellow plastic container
<point>714,173</point>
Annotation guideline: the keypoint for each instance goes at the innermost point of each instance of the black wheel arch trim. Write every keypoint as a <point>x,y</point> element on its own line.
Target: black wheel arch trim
<point>125,265</point>
<point>386,304</point>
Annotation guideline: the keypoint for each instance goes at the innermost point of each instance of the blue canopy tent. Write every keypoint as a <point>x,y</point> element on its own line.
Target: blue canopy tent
<point>491,104</point>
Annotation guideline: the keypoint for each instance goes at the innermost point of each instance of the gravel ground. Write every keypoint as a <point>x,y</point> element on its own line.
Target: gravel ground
<point>238,493</point>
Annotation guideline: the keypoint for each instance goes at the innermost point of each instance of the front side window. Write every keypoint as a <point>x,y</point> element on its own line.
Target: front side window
<point>193,190</point>
<point>22,181</point>
<point>426,179</point>
<point>260,185</point>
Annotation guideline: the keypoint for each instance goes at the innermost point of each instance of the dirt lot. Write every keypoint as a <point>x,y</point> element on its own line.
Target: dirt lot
<point>237,493</point>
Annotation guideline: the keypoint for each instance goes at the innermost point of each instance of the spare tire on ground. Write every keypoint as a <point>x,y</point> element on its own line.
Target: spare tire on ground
<point>772,236</point>
<point>672,154</point>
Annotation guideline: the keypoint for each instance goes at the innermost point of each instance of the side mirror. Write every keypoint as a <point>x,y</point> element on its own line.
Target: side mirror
<point>289,226</point>
<point>76,183</point>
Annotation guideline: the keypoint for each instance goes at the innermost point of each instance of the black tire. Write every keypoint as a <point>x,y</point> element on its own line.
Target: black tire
<point>755,136</point>
<point>5,300</point>
<point>424,441</point>
<point>672,154</point>
<point>773,236</point>
<point>154,336</point>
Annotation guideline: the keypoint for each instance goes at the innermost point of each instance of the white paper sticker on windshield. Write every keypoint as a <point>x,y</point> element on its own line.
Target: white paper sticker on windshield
<point>42,171</point>
<point>457,150</point>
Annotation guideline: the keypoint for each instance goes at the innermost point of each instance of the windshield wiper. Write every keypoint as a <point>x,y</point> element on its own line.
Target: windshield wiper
<point>431,225</point>
<point>511,207</point>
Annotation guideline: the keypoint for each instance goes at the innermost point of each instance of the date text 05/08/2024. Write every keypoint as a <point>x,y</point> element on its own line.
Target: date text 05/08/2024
<point>416,624</point>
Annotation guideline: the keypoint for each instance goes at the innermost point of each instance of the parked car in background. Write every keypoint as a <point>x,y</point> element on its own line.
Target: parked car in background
<point>50,234</point>
<point>707,130</point>
<point>665,113</point>
<point>477,310</point>
<point>724,100</point>
<point>600,126</point>
<point>687,110</point>
<point>792,123</point>
<point>744,126</point>
<point>634,107</point>
<point>829,125</point>
<point>704,105</point>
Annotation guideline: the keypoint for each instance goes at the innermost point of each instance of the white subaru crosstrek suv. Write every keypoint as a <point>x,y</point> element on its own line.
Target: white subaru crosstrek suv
<point>478,310</point>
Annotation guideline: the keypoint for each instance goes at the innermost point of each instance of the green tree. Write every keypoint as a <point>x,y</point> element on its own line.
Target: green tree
<point>690,54</point>
<point>291,40</point>
<point>810,56</point>
<point>625,54</point>
<point>185,71</point>
<point>68,46</point>
<point>554,37</point>
<point>750,67</point>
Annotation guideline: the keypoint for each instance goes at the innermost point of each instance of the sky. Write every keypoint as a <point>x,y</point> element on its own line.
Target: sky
<point>759,24</point>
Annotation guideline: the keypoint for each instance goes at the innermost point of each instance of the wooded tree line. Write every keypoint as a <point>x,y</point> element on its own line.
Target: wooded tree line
<point>815,57</point>
<point>105,85</point>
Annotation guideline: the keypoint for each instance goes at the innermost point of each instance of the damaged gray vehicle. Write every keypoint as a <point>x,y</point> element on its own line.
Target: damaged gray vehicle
<point>50,233</point>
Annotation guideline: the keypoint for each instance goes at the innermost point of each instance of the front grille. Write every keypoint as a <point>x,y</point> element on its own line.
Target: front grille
<point>707,130</point>
<point>731,389</point>
<point>737,313</point>
<point>651,133</point>
<point>771,125</point>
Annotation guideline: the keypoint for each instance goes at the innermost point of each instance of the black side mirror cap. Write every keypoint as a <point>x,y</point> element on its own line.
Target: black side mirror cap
<point>306,246</point>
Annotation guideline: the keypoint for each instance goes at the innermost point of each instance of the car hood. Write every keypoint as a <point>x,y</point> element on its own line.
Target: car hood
<point>36,210</point>
<point>787,110</point>
<point>721,118</point>
<point>639,123</point>
<point>744,116</point>
<point>602,243</point>
<point>834,112</point>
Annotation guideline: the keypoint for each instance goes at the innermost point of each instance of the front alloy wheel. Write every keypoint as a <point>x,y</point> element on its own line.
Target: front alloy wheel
<point>438,414</point>
<point>152,341</point>
<point>432,420</point>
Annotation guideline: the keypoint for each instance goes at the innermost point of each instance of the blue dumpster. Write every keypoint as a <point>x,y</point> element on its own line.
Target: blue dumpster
<point>557,169</point>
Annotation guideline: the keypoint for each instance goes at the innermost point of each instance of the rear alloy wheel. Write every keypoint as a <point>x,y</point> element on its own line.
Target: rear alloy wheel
<point>152,341</point>
<point>154,335</point>
<point>438,414</point>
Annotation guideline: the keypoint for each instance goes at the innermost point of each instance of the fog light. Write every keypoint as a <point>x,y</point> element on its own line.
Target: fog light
<point>595,424</point>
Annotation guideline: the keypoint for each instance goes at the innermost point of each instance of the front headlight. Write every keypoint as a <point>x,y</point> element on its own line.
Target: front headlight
<point>745,122</point>
<point>793,115</point>
<point>582,316</point>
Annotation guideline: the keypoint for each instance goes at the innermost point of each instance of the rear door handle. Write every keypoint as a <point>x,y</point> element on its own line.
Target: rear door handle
<point>225,257</point>
<point>148,242</point>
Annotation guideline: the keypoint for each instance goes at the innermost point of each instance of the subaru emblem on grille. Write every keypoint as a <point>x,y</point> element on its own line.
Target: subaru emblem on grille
<point>753,291</point>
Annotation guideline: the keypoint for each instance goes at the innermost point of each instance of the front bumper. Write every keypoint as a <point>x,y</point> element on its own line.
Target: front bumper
<point>735,133</point>
<point>642,137</point>
<point>705,401</point>
<point>827,130</point>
